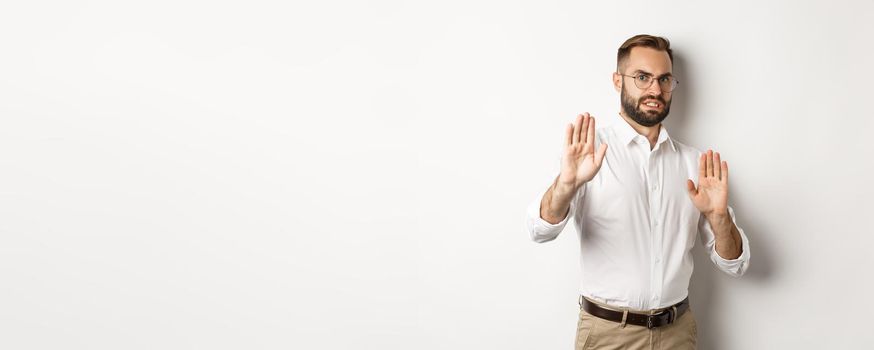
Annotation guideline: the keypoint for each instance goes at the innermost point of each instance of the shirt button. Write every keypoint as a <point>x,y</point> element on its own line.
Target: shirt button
<point>655,187</point>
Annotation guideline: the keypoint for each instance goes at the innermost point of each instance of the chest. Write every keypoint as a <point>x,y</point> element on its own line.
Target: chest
<point>641,181</point>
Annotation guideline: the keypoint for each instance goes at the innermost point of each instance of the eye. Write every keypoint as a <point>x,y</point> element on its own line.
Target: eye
<point>666,79</point>
<point>643,77</point>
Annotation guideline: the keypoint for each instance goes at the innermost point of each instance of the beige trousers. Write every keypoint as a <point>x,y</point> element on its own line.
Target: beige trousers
<point>595,333</point>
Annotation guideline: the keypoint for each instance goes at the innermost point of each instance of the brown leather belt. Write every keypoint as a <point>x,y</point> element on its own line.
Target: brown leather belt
<point>664,318</point>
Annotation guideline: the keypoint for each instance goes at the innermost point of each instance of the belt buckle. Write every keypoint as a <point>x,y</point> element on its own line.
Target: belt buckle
<point>670,315</point>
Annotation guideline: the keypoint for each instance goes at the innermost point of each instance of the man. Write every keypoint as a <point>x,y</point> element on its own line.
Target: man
<point>637,207</point>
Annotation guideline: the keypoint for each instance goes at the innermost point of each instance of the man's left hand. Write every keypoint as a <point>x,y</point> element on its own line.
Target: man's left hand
<point>711,195</point>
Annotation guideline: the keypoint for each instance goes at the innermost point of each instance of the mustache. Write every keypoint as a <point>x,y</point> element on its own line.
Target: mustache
<point>652,97</point>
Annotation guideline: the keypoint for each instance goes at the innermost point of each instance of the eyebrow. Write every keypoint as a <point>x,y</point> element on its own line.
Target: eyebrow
<point>638,71</point>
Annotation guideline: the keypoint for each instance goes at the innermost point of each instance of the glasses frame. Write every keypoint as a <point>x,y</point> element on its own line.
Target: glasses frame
<point>673,85</point>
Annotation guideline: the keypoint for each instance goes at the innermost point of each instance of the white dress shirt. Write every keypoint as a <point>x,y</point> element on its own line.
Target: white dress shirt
<point>637,224</point>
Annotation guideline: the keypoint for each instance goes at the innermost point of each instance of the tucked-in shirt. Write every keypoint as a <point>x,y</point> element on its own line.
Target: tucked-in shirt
<point>636,223</point>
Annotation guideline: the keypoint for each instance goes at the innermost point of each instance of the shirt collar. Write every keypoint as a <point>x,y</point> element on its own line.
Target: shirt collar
<point>627,134</point>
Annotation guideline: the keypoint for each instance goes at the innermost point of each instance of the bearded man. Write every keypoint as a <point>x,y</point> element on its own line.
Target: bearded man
<point>637,207</point>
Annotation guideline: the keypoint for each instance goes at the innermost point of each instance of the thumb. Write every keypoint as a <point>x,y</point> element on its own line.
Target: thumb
<point>690,186</point>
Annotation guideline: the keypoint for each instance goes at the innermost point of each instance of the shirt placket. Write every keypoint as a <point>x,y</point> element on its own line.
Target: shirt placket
<point>656,226</point>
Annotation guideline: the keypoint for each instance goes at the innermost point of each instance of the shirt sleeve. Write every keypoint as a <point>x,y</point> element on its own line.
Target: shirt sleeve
<point>736,267</point>
<point>542,231</point>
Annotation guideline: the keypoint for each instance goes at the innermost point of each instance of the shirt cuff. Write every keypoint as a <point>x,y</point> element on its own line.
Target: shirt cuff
<point>734,267</point>
<point>534,214</point>
<point>541,230</point>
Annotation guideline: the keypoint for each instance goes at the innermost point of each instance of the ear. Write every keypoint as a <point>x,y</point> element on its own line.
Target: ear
<point>617,81</point>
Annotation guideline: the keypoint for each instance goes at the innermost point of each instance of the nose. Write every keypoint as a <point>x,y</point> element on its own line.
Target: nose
<point>655,88</point>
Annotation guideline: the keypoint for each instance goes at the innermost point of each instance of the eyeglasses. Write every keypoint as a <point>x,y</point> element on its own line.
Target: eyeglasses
<point>643,81</point>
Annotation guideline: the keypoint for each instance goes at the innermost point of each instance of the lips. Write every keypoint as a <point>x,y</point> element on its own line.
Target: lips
<point>652,104</point>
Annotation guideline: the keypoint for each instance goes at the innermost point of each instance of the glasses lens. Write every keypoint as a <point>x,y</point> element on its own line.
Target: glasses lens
<point>642,81</point>
<point>668,83</point>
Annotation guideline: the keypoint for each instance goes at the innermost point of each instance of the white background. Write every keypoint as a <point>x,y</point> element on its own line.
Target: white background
<point>334,175</point>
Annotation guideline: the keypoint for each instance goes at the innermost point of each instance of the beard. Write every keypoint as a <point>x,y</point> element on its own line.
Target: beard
<point>645,118</point>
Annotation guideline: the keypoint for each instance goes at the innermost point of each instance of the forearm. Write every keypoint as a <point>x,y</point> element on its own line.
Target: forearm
<point>729,244</point>
<point>556,202</point>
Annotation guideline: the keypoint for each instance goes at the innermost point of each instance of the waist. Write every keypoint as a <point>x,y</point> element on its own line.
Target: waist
<point>649,319</point>
<point>633,305</point>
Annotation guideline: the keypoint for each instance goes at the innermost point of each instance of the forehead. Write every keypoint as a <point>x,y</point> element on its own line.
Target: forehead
<point>648,60</point>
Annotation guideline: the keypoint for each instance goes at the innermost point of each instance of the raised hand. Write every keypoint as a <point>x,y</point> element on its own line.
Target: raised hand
<point>580,162</point>
<point>711,196</point>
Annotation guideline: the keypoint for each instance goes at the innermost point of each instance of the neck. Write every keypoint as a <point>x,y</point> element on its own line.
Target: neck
<point>650,132</point>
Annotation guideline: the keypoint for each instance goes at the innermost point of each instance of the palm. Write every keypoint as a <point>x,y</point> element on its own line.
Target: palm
<point>580,162</point>
<point>711,195</point>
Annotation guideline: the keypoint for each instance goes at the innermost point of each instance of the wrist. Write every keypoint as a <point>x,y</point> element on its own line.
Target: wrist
<point>718,218</point>
<point>565,189</point>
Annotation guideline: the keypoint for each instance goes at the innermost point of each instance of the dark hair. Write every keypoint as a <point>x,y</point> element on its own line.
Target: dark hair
<point>643,40</point>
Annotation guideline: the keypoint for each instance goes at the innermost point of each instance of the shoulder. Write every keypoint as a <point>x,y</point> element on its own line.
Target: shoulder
<point>603,134</point>
<point>686,151</point>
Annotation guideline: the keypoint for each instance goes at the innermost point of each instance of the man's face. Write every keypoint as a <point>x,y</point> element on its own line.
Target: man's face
<point>651,105</point>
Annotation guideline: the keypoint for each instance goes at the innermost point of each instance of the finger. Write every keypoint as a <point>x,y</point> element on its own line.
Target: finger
<point>725,171</point>
<point>577,124</point>
<point>569,133</point>
<point>717,166</point>
<point>709,164</point>
<point>702,164</point>
<point>690,186</point>
<point>588,146</point>
<point>590,134</point>
<point>599,156</point>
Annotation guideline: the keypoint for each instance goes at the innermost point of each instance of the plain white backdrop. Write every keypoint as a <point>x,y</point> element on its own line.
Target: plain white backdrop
<point>275,175</point>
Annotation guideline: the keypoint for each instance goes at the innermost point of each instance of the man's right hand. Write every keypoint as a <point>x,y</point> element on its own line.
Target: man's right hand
<point>580,162</point>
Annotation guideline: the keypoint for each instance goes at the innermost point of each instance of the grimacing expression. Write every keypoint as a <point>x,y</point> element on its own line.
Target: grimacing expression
<point>648,106</point>
<point>636,109</point>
